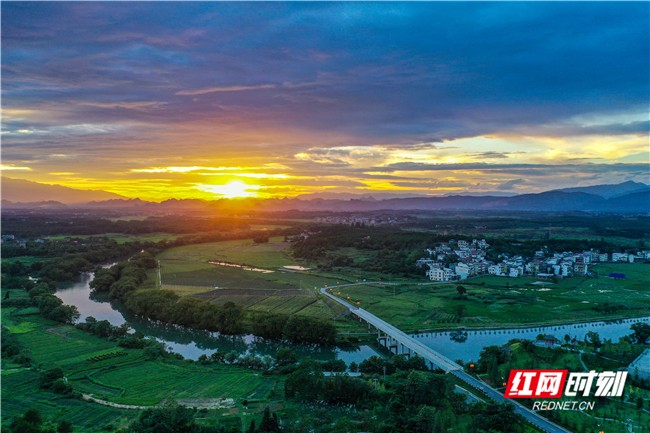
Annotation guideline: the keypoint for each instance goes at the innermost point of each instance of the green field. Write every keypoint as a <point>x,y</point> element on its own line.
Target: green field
<point>538,233</point>
<point>25,260</point>
<point>497,301</point>
<point>617,411</point>
<point>186,271</point>
<point>125,376</point>
<point>413,305</point>
<point>122,238</point>
<point>269,255</point>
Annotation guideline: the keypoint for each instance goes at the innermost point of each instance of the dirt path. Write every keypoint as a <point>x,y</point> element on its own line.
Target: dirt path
<point>203,403</point>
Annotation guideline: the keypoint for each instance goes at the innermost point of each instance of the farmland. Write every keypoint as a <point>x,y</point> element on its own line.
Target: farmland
<point>504,301</point>
<point>122,238</point>
<point>414,304</point>
<point>187,271</point>
<point>114,374</point>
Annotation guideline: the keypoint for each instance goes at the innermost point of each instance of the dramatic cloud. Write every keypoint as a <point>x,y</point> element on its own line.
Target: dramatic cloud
<point>323,89</point>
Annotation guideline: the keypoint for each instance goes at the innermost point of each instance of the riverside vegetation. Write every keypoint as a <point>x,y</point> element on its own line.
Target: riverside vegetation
<point>49,365</point>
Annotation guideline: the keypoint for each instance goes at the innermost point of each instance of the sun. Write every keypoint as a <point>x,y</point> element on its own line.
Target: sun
<point>232,189</point>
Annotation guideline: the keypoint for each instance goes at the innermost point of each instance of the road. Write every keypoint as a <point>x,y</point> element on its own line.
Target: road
<point>440,360</point>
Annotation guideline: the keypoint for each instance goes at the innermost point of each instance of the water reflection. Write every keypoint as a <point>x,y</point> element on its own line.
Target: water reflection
<point>467,344</point>
<point>188,342</point>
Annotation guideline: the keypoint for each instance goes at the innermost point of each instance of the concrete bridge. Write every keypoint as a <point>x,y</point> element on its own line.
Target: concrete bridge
<point>398,342</point>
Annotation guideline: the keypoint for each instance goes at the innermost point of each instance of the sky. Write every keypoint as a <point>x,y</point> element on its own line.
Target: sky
<point>207,100</point>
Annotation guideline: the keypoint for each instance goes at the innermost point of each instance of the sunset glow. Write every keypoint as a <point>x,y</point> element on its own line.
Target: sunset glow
<point>216,100</point>
<point>232,189</point>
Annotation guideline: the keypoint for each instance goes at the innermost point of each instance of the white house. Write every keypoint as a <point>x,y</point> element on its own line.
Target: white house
<point>462,270</point>
<point>436,274</point>
<point>496,270</point>
<point>580,268</point>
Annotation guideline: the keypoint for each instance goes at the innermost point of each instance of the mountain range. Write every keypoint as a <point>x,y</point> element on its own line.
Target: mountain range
<point>626,197</point>
<point>24,191</point>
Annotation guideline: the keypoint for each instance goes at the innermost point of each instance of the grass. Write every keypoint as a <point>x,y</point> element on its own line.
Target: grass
<point>540,233</point>
<point>122,238</point>
<point>496,301</point>
<point>186,271</point>
<point>25,260</point>
<point>411,306</point>
<point>97,366</point>
<point>21,392</point>
<point>269,255</point>
<point>188,266</point>
<point>614,408</point>
<point>151,382</point>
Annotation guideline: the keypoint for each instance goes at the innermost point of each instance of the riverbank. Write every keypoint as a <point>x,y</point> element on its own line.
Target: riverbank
<point>506,327</point>
<point>190,343</point>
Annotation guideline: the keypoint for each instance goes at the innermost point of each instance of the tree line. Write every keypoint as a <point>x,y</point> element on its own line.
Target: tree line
<point>408,401</point>
<point>121,281</point>
<point>391,250</point>
<point>60,260</point>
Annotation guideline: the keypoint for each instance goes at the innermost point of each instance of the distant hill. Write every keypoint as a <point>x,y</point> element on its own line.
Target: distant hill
<point>610,190</point>
<point>555,200</point>
<point>627,197</point>
<point>24,191</point>
<point>636,202</point>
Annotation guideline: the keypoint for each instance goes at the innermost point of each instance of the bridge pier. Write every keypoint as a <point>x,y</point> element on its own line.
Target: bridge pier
<point>392,338</point>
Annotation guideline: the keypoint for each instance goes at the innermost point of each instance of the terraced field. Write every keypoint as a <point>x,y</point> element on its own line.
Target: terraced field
<point>150,383</point>
<point>124,376</point>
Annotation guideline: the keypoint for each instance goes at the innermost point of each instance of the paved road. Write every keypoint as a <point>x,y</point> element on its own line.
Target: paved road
<point>440,360</point>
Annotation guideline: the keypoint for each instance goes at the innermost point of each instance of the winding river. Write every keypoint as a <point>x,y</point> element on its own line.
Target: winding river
<point>187,342</point>
<point>465,345</point>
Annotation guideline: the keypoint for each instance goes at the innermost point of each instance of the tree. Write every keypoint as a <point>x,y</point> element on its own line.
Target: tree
<point>169,419</point>
<point>461,290</point>
<point>30,422</point>
<point>493,372</point>
<point>50,376</point>
<point>459,310</point>
<point>641,332</point>
<point>261,239</point>
<point>65,314</point>
<point>64,426</point>
<point>231,357</point>
<point>498,417</point>
<point>269,424</point>
<point>594,339</point>
<point>285,356</point>
<point>217,356</point>
<point>305,383</point>
<point>33,416</point>
<point>425,419</point>
<point>488,353</point>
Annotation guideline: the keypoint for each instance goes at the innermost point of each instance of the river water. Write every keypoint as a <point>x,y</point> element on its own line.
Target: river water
<point>187,342</point>
<point>465,345</point>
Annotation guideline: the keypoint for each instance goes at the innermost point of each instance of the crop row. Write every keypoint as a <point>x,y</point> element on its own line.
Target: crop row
<point>105,356</point>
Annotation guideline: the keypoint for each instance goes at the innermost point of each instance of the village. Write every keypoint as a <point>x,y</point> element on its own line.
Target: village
<point>459,260</point>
